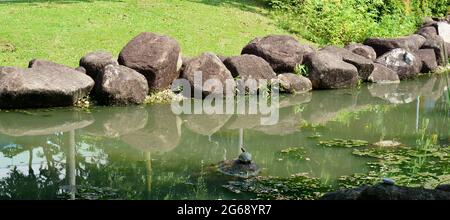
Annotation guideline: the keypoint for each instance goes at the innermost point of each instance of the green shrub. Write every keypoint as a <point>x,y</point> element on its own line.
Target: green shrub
<point>345,21</point>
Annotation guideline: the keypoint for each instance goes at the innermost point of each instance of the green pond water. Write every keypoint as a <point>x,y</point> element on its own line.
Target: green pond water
<point>148,152</point>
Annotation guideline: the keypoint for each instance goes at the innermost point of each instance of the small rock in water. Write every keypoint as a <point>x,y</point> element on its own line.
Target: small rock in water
<point>388,181</point>
<point>387,143</point>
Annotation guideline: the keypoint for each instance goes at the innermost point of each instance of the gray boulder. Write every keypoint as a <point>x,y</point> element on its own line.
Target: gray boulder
<point>81,69</point>
<point>364,65</point>
<point>402,62</point>
<point>42,86</point>
<point>94,62</point>
<point>427,31</point>
<point>120,85</point>
<point>329,71</point>
<point>293,83</point>
<point>157,57</point>
<point>46,63</point>
<point>438,45</point>
<point>282,52</point>
<point>384,45</point>
<point>362,50</point>
<point>382,74</point>
<point>211,68</point>
<point>249,66</point>
<point>428,58</point>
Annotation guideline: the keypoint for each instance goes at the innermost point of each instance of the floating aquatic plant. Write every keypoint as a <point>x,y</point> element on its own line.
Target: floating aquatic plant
<point>296,187</point>
<point>342,143</point>
<point>419,166</point>
<point>165,96</point>
<point>315,136</point>
<point>297,153</point>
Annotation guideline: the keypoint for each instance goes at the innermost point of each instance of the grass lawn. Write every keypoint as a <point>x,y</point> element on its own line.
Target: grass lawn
<point>63,31</point>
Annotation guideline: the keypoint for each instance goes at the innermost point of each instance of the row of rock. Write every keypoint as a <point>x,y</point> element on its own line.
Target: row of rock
<point>152,62</point>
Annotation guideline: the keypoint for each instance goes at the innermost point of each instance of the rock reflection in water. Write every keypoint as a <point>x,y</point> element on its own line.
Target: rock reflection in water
<point>148,152</point>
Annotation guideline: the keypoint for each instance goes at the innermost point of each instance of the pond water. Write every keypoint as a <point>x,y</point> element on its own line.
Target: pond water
<point>150,153</point>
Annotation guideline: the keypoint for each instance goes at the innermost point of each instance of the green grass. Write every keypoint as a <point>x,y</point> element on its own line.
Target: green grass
<point>63,31</point>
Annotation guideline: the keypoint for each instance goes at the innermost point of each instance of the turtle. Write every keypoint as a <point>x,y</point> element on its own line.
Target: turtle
<point>242,167</point>
<point>245,157</point>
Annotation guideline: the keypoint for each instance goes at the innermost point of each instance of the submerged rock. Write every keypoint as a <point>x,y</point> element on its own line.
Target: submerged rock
<point>242,167</point>
<point>282,52</point>
<point>238,169</point>
<point>42,86</point>
<point>155,56</point>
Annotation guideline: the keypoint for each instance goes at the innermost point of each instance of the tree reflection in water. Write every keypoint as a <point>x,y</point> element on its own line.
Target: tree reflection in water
<point>149,153</point>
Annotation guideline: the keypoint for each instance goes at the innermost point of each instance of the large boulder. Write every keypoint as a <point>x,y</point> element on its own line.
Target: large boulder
<point>46,63</point>
<point>402,62</point>
<point>249,66</point>
<point>282,52</point>
<point>120,85</point>
<point>211,68</point>
<point>362,50</point>
<point>294,83</point>
<point>428,58</point>
<point>94,62</point>
<point>384,45</point>
<point>384,191</point>
<point>440,49</point>
<point>155,56</point>
<point>42,86</point>
<point>443,29</point>
<point>364,65</point>
<point>329,71</point>
<point>427,31</point>
<point>382,74</point>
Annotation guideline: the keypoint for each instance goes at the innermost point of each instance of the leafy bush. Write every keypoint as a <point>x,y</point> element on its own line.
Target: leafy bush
<point>345,21</point>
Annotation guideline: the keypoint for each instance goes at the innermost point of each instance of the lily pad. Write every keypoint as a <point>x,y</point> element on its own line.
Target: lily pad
<point>296,187</point>
<point>297,153</point>
<point>342,143</point>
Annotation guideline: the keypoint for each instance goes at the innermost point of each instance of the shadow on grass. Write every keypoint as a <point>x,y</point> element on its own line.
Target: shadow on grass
<point>245,5</point>
<point>53,1</point>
